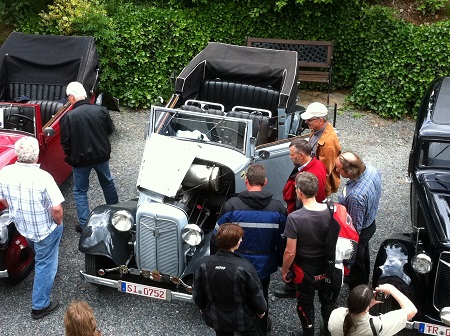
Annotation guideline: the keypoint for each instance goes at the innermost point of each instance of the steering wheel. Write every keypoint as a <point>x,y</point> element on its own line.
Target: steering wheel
<point>22,120</point>
<point>232,132</point>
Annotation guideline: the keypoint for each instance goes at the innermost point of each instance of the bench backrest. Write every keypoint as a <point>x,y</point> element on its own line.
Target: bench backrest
<point>232,94</point>
<point>315,58</point>
<point>34,91</point>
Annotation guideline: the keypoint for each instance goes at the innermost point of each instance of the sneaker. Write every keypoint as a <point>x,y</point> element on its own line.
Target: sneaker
<point>286,292</point>
<point>40,313</point>
<point>78,228</point>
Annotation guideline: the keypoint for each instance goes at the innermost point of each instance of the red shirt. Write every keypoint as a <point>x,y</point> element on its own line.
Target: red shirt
<point>315,167</point>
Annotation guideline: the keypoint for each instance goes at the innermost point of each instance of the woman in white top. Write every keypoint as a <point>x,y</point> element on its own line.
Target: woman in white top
<point>356,320</point>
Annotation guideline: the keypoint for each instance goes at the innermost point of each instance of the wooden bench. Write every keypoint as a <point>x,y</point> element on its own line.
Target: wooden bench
<point>315,58</point>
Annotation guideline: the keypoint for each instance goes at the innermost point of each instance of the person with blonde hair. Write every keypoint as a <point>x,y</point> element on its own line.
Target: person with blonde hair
<point>79,320</point>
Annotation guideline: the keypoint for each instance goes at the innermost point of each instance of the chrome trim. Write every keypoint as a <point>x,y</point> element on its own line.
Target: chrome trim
<point>116,284</point>
<point>4,274</point>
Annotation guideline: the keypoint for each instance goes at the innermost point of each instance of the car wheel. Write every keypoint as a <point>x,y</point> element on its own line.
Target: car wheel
<point>18,260</point>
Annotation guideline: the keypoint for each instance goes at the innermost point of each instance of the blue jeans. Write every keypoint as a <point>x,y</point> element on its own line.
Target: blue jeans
<point>81,187</point>
<point>46,265</point>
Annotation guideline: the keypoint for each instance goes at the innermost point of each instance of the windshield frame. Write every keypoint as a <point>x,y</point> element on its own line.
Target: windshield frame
<point>161,117</point>
<point>425,160</point>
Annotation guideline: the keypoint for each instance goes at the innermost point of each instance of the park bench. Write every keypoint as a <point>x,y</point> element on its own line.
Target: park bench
<point>315,58</point>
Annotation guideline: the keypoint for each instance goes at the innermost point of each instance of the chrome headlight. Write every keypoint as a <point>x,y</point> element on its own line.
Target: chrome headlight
<point>122,220</point>
<point>5,220</point>
<point>192,234</point>
<point>421,263</point>
<point>445,315</point>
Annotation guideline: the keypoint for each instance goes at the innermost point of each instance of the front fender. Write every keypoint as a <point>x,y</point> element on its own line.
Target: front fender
<point>393,266</point>
<point>99,237</point>
<point>201,251</point>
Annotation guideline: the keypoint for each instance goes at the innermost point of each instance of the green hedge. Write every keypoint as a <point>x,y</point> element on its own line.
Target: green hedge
<point>388,62</point>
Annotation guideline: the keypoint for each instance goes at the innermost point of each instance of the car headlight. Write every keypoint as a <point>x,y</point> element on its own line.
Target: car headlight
<point>122,220</point>
<point>421,263</point>
<point>445,315</point>
<point>192,234</point>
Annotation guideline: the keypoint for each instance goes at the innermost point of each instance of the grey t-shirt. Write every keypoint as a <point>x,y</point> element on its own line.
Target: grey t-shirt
<point>310,229</point>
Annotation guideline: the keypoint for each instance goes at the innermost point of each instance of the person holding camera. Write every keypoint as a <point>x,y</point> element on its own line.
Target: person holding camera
<point>356,320</point>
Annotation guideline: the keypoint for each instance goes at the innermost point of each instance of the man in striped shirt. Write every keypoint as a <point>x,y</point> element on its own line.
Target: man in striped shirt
<point>34,202</point>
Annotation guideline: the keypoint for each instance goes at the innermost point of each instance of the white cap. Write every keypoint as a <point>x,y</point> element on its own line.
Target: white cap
<point>314,110</point>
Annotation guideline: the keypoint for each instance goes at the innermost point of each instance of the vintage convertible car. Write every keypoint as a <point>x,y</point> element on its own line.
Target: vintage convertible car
<point>231,107</point>
<point>418,262</point>
<point>34,73</point>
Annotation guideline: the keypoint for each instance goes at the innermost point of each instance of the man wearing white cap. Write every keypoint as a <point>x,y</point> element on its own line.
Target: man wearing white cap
<point>324,141</point>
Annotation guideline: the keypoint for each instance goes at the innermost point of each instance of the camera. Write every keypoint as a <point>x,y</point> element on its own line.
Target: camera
<point>380,296</point>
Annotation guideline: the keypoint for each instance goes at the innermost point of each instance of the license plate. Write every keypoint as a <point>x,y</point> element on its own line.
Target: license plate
<point>143,290</point>
<point>434,329</point>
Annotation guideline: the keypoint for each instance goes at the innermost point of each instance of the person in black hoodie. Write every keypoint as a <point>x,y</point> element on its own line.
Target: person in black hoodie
<point>263,220</point>
<point>85,134</point>
<point>226,287</point>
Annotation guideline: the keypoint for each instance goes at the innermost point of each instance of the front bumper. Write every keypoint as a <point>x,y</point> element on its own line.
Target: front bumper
<point>428,328</point>
<point>117,285</point>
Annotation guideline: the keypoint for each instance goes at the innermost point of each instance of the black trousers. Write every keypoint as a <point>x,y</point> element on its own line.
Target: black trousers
<point>360,270</point>
<point>253,331</point>
<point>305,297</point>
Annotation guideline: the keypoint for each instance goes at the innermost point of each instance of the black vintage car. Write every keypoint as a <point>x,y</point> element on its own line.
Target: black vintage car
<point>418,262</point>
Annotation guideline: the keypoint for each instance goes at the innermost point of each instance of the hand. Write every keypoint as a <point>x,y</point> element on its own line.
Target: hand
<point>261,315</point>
<point>284,275</point>
<point>386,289</point>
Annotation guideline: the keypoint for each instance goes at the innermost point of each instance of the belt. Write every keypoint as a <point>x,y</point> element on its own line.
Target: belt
<point>256,251</point>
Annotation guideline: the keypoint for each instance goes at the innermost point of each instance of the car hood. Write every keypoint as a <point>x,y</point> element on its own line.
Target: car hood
<point>7,152</point>
<point>437,191</point>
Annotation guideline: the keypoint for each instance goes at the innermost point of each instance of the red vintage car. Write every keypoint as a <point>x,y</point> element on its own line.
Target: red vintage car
<point>34,73</point>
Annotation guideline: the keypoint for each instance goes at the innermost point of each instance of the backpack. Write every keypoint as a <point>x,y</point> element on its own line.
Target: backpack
<point>341,243</point>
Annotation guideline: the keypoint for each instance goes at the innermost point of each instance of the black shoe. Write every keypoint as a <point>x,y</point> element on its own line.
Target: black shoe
<point>40,313</point>
<point>269,324</point>
<point>78,228</point>
<point>286,292</point>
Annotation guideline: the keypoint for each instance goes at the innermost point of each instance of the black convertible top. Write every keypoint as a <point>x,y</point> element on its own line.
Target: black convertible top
<point>246,65</point>
<point>49,59</point>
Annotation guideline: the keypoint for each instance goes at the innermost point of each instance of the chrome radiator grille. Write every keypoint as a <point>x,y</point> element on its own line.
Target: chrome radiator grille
<point>441,296</point>
<point>158,245</point>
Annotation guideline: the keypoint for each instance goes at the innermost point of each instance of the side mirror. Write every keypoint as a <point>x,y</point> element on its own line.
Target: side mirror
<point>48,131</point>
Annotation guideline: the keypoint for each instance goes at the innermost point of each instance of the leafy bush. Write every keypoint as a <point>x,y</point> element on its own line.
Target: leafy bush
<point>388,62</point>
<point>431,6</point>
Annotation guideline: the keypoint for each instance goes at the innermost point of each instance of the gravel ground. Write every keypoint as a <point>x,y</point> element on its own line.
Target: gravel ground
<point>383,143</point>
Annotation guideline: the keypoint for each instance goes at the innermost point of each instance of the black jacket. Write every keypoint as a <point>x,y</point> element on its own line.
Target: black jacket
<point>228,292</point>
<point>85,134</point>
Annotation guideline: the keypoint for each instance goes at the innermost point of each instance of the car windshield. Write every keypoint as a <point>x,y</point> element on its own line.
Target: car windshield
<point>435,154</point>
<point>202,127</point>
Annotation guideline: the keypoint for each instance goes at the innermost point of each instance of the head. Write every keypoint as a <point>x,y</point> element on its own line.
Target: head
<point>315,116</point>
<point>306,184</point>
<point>359,301</point>
<point>349,165</point>
<point>75,91</point>
<point>256,176</point>
<point>79,320</point>
<point>229,236</point>
<point>27,150</point>
<point>300,151</point>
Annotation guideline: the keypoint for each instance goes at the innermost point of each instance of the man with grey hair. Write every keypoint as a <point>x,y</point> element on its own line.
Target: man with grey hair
<point>85,134</point>
<point>34,202</point>
<point>324,142</point>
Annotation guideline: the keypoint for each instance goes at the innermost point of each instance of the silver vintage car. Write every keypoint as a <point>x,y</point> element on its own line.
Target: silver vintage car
<point>232,106</point>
